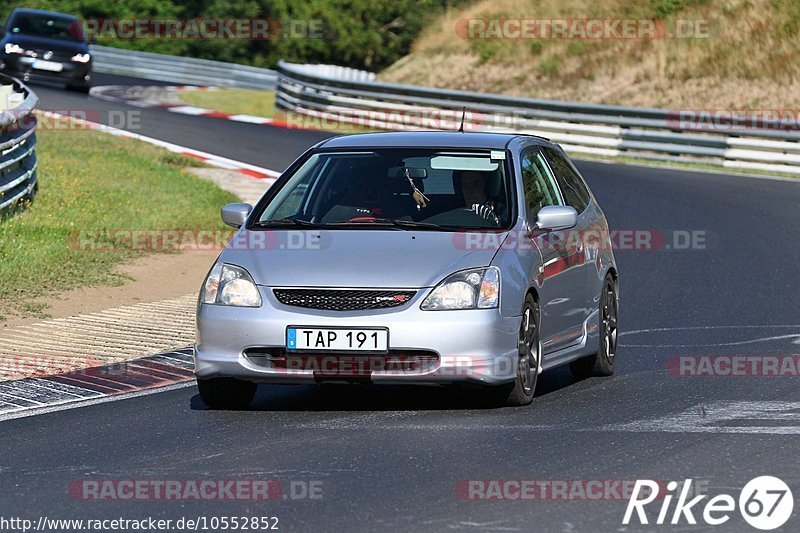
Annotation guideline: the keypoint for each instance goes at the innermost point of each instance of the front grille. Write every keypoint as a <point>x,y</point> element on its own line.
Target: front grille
<point>395,362</point>
<point>56,56</point>
<point>343,299</point>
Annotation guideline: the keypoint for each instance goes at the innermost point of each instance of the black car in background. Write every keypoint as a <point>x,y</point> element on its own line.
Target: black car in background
<point>43,45</point>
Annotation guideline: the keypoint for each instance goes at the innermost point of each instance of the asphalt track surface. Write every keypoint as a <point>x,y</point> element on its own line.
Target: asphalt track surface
<point>391,459</point>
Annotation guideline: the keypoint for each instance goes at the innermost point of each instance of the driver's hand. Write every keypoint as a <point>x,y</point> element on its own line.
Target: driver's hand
<point>485,212</point>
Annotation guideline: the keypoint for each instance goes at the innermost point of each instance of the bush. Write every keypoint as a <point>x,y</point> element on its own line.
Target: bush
<point>368,34</point>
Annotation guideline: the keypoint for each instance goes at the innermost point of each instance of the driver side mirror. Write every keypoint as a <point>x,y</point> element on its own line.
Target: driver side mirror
<point>236,214</point>
<point>556,217</point>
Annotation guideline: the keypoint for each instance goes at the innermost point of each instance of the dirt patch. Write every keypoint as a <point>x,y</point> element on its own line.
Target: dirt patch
<point>153,278</point>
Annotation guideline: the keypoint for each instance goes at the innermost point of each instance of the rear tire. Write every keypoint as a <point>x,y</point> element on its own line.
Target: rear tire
<point>521,390</point>
<point>226,393</point>
<point>602,362</point>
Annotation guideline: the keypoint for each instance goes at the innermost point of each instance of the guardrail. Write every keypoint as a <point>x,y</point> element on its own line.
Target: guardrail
<point>17,144</point>
<point>581,129</point>
<point>183,70</point>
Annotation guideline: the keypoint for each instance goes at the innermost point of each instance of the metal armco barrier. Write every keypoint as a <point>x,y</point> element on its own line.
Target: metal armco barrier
<point>313,94</point>
<point>183,70</point>
<point>17,144</point>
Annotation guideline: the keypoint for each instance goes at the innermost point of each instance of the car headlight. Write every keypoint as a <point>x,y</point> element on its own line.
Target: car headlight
<point>477,288</point>
<point>230,285</point>
<point>12,48</point>
<point>81,58</point>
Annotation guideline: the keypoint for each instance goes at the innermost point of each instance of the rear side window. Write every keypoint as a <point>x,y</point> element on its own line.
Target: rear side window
<point>539,183</point>
<point>575,192</point>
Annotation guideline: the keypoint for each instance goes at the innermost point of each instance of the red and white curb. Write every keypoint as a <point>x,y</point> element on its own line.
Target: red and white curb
<point>166,97</point>
<point>136,377</point>
<point>218,161</point>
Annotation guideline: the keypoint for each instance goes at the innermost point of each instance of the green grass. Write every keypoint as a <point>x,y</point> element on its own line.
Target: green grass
<point>91,181</point>
<point>234,101</point>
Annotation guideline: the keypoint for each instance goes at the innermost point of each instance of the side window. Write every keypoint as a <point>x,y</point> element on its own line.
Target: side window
<point>575,192</point>
<point>539,183</point>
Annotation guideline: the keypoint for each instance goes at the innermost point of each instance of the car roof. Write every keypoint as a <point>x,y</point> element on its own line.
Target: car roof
<point>28,11</point>
<point>430,139</point>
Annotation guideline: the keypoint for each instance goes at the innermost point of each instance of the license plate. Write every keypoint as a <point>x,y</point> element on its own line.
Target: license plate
<point>51,66</point>
<point>322,339</point>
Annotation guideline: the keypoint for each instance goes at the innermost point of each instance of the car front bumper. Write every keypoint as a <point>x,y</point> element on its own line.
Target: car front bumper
<point>72,73</point>
<point>467,346</point>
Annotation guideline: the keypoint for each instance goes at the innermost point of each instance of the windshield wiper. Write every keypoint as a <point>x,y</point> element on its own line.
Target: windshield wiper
<point>285,223</point>
<point>387,222</point>
<point>411,224</point>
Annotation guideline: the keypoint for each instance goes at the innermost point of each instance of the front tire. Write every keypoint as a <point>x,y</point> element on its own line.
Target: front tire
<point>602,362</point>
<point>226,393</point>
<point>521,390</point>
<point>80,88</point>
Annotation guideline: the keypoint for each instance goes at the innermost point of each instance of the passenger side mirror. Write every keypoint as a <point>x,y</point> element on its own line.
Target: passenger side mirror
<point>556,217</point>
<point>236,214</point>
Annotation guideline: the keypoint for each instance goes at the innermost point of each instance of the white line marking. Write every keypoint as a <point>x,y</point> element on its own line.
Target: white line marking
<point>740,417</point>
<point>74,404</point>
<point>250,118</point>
<point>794,337</point>
<point>651,330</point>
<point>63,388</point>
<point>211,159</point>
<point>190,110</point>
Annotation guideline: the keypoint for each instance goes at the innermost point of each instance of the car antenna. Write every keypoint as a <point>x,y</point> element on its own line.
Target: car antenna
<point>463,112</point>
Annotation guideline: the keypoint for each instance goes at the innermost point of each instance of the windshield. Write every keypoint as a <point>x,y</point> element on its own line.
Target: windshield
<point>429,189</point>
<point>63,28</point>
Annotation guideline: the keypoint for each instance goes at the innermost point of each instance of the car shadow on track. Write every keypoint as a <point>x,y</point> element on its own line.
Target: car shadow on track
<point>347,397</point>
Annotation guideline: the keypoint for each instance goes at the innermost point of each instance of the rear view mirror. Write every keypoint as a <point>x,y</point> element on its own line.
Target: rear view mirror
<point>236,214</point>
<point>556,217</point>
<point>413,172</point>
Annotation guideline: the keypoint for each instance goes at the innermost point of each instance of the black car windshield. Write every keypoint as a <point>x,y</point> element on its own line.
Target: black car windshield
<point>401,188</point>
<point>50,26</point>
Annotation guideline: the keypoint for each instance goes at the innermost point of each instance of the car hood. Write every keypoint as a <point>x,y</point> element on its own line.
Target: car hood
<point>353,258</point>
<point>59,46</point>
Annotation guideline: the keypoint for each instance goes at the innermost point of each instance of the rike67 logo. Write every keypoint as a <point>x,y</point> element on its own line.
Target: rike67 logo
<point>765,503</point>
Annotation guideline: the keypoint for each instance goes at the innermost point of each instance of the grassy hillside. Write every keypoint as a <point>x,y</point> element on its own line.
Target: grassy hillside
<point>748,61</point>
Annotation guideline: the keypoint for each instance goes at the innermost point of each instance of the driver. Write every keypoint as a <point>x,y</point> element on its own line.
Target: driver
<point>476,198</point>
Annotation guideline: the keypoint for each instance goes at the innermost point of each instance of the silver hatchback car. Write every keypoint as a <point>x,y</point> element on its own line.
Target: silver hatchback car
<point>412,258</point>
